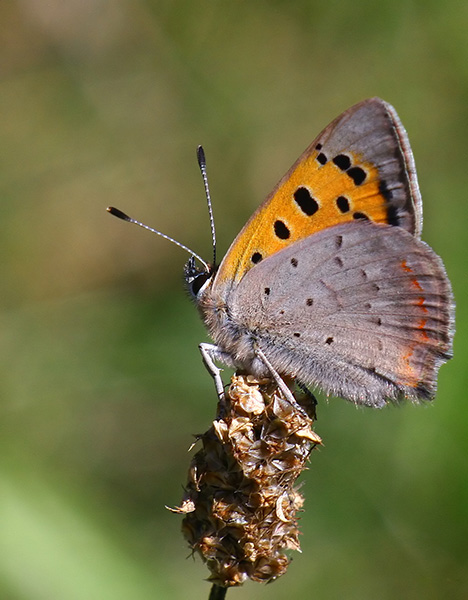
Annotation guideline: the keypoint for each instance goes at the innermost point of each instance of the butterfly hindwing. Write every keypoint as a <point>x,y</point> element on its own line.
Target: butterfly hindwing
<point>361,310</point>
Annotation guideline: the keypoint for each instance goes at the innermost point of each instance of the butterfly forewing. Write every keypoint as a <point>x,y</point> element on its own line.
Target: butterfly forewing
<point>359,168</point>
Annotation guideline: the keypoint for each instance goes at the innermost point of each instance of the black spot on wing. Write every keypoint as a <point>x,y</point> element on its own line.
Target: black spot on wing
<point>342,161</point>
<point>256,257</point>
<point>304,200</point>
<point>343,204</point>
<point>281,230</point>
<point>360,216</point>
<point>392,212</point>
<point>383,189</point>
<point>338,261</point>
<point>357,174</point>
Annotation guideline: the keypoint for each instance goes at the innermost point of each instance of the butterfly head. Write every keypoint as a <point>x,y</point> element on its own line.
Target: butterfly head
<point>197,278</point>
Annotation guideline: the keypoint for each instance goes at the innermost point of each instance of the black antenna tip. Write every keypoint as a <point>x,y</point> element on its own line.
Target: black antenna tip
<point>118,213</point>
<point>201,157</point>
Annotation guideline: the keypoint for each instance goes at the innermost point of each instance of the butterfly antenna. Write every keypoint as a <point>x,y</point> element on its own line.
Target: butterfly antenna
<point>121,215</point>
<point>202,164</point>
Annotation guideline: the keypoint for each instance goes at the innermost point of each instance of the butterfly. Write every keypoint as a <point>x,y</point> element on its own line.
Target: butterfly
<point>329,283</point>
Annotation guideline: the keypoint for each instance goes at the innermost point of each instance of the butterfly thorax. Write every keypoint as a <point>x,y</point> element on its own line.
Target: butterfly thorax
<point>232,335</point>
<point>234,339</point>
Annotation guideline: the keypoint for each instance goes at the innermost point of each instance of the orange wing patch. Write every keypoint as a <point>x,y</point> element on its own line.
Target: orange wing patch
<point>412,372</point>
<point>316,193</point>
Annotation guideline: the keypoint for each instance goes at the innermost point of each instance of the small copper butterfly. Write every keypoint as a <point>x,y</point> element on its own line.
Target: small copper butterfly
<point>328,282</point>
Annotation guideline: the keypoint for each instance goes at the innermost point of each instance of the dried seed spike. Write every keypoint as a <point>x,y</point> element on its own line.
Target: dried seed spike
<point>240,508</point>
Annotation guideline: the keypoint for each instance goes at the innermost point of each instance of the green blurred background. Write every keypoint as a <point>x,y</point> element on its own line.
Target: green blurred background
<point>104,102</point>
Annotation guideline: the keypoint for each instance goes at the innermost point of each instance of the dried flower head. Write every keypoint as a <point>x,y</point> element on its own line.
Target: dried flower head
<point>241,502</point>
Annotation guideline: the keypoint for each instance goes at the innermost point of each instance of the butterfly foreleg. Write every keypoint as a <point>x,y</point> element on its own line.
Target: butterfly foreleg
<point>211,353</point>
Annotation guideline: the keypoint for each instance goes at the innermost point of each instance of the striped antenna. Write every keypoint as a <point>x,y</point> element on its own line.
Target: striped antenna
<point>121,215</point>
<point>202,164</point>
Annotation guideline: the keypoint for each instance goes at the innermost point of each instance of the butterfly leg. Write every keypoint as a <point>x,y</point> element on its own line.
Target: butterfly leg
<point>281,384</point>
<point>210,353</point>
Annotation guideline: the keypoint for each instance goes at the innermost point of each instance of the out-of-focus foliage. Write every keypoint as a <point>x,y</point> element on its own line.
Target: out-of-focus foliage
<point>104,102</point>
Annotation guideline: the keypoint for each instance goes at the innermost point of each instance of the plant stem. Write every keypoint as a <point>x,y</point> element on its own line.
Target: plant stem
<point>217,592</point>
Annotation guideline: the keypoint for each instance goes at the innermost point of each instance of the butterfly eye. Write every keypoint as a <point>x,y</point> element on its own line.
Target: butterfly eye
<point>195,278</point>
<point>198,282</point>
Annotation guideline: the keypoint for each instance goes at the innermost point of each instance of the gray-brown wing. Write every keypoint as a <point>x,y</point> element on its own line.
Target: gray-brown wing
<point>361,310</point>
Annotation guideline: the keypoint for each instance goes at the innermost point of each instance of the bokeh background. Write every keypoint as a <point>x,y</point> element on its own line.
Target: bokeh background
<point>104,102</point>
